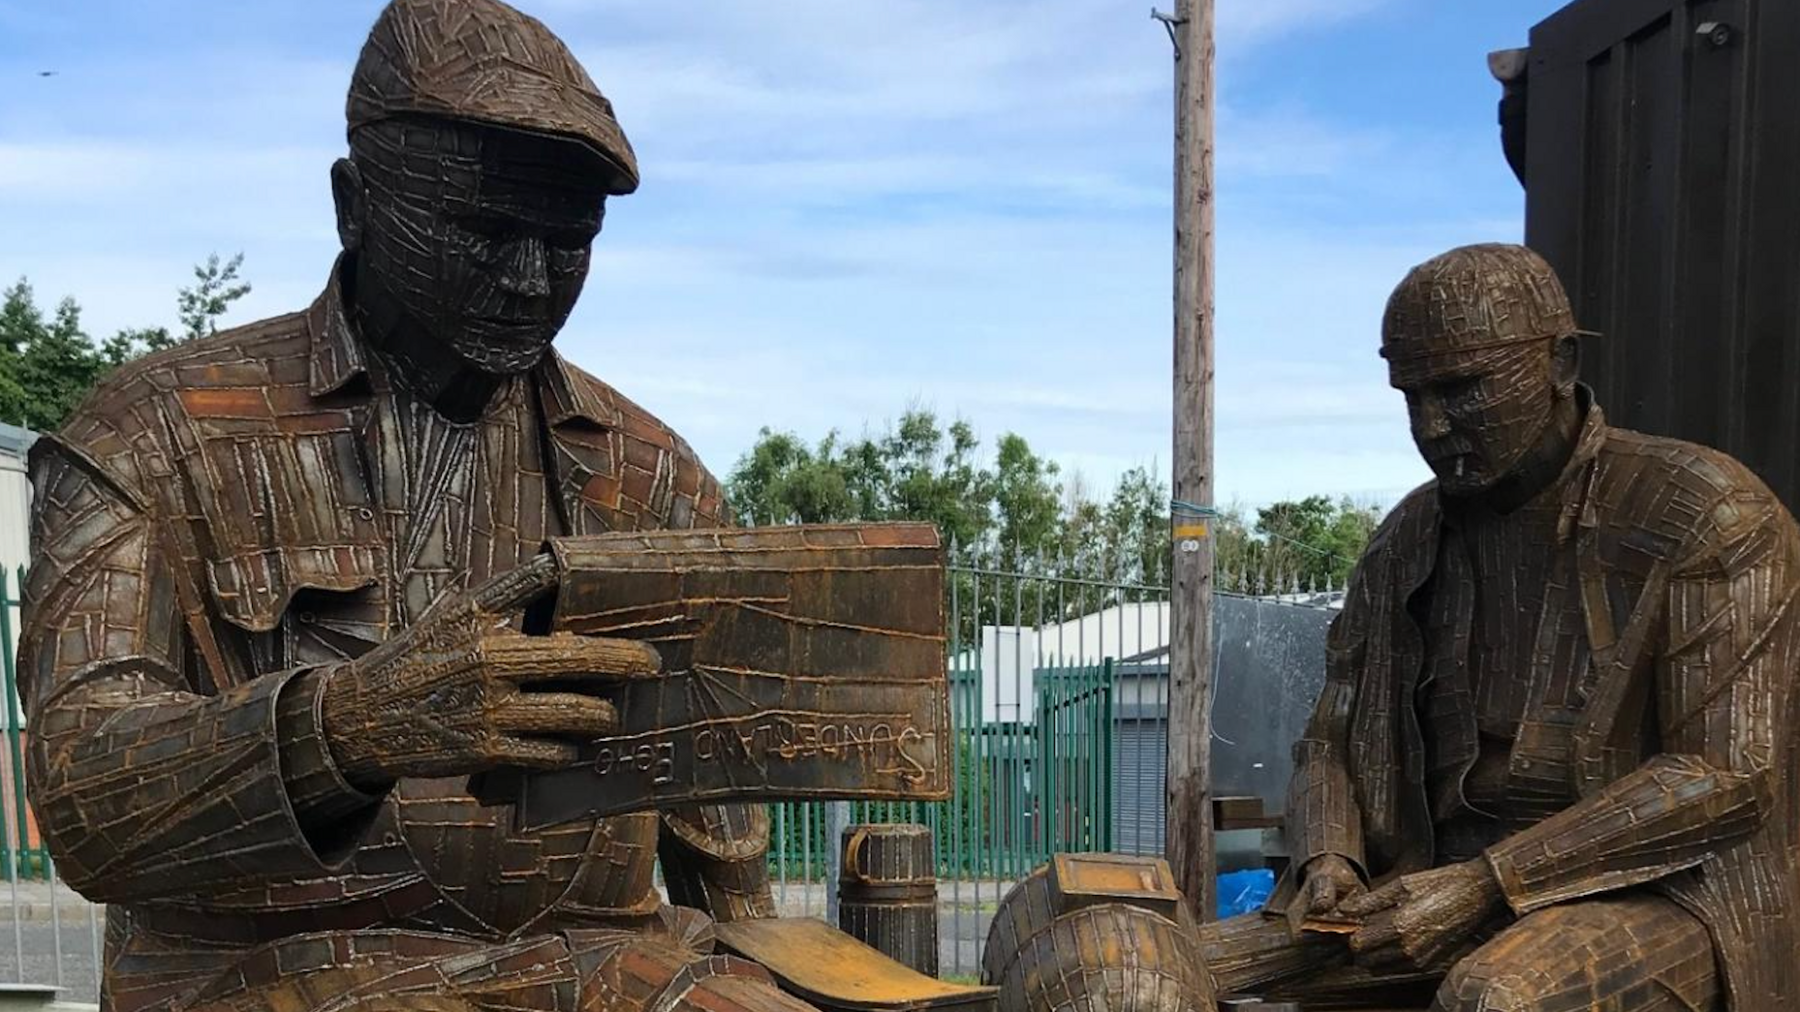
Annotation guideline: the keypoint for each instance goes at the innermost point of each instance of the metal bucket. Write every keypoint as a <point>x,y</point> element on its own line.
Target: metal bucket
<point>887,892</point>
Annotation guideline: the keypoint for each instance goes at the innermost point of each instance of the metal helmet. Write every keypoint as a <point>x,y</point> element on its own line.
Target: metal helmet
<point>1473,300</point>
<point>483,62</point>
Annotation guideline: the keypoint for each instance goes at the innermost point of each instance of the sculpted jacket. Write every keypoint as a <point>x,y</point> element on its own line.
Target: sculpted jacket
<point>221,520</point>
<point>1661,696</point>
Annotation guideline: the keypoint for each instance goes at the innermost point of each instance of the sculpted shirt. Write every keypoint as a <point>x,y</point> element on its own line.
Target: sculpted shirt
<point>1482,610</point>
<point>222,520</point>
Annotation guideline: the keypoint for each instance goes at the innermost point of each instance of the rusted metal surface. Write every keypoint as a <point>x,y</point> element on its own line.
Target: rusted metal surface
<point>1095,933</point>
<point>797,662</point>
<point>837,973</point>
<point>887,892</point>
<point>1662,154</point>
<point>275,622</point>
<point>1553,765</point>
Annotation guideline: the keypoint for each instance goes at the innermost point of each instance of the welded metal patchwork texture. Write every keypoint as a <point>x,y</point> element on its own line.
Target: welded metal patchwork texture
<point>797,662</point>
<point>1553,766</point>
<point>276,622</point>
<point>887,892</point>
<point>1094,933</point>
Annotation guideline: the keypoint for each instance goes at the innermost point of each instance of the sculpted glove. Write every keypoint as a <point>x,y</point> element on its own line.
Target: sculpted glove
<point>1424,920</point>
<point>460,692</point>
<point>1326,882</point>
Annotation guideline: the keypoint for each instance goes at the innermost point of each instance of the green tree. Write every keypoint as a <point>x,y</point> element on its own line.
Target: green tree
<point>131,342</point>
<point>47,365</point>
<point>782,481</point>
<point>216,287</point>
<point>1237,552</point>
<point>58,368</point>
<point>20,324</point>
<point>1314,542</point>
<point>1016,514</point>
<point>1027,501</point>
<point>918,469</point>
<point>1137,519</point>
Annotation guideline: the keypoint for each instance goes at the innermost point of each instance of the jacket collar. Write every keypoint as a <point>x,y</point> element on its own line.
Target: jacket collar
<point>339,356</point>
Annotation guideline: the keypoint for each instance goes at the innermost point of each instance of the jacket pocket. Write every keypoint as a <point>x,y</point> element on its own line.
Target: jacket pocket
<point>253,589</point>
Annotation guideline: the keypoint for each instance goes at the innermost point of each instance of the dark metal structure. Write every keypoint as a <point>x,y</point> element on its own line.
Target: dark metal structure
<point>1659,150</point>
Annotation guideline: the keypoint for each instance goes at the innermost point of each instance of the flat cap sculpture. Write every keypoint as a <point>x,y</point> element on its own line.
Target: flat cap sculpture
<point>483,62</point>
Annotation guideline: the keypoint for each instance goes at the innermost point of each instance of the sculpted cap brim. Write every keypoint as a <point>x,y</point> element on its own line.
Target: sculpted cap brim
<point>480,61</point>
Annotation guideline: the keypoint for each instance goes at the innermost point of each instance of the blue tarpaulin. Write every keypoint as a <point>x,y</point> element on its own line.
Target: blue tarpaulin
<point>1241,892</point>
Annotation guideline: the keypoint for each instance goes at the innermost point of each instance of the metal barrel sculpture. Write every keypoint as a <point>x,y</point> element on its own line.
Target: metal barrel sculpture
<point>887,892</point>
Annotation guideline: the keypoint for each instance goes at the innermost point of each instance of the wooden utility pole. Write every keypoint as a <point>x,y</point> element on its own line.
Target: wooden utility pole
<point>1189,836</point>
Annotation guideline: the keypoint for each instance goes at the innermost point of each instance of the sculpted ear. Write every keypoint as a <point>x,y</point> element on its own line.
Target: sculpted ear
<point>1565,364</point>
<point>352,203</point>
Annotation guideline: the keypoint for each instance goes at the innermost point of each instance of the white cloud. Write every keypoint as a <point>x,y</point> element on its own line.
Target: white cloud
<point>846,207</point>
<point>100,169</point>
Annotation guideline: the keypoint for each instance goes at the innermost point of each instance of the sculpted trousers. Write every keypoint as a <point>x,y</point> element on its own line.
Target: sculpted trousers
<point>573,971</point>
<point>1634,952</point>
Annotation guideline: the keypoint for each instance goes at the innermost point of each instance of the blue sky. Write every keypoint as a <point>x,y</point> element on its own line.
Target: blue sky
<point>848,207</point>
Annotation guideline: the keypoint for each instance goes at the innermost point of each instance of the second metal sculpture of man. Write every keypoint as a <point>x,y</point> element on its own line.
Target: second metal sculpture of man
<point>1553,766</point>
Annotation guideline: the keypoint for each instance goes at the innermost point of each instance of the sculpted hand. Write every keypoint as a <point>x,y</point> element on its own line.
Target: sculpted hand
<point>1418,922</point>
<point>1325,883</point>
<point>461,693</point>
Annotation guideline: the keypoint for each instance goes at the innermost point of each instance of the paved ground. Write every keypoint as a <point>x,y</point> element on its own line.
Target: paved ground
<point>964,910</point>
<point>38,940</point>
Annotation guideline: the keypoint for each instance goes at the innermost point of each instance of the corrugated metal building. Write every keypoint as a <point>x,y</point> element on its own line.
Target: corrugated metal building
<point>1659,148</point>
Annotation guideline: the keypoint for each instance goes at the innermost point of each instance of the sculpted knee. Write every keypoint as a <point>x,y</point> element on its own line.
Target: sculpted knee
<point>1481,985</point>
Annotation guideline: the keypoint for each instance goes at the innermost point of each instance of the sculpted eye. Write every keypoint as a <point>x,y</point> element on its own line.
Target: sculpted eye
<point>478,229</point>
<point>1459,390</point>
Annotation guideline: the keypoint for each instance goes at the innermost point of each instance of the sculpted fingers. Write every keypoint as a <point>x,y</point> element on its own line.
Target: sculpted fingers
<point>533,753</point>
<point>568,714</point>
<point>1377,939</point>
<point>1322,894</point>
<point>517,588</point>
<point>567,657</point>
<point>1330,880</point>
<point>1365,904</point>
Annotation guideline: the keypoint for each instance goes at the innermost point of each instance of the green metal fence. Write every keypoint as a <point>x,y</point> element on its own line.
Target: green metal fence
<point>1037,703</point>
<point>1023,790</point>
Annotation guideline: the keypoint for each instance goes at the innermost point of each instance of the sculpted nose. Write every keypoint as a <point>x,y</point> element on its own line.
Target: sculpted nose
<point>522,270</point>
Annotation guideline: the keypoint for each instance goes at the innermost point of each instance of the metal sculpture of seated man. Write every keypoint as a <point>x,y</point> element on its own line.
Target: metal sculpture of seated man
<point>1553,765</point>
<point>266,644</point>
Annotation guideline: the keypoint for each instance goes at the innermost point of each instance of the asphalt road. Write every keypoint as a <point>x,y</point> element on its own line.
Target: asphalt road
<point>38,940</point>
